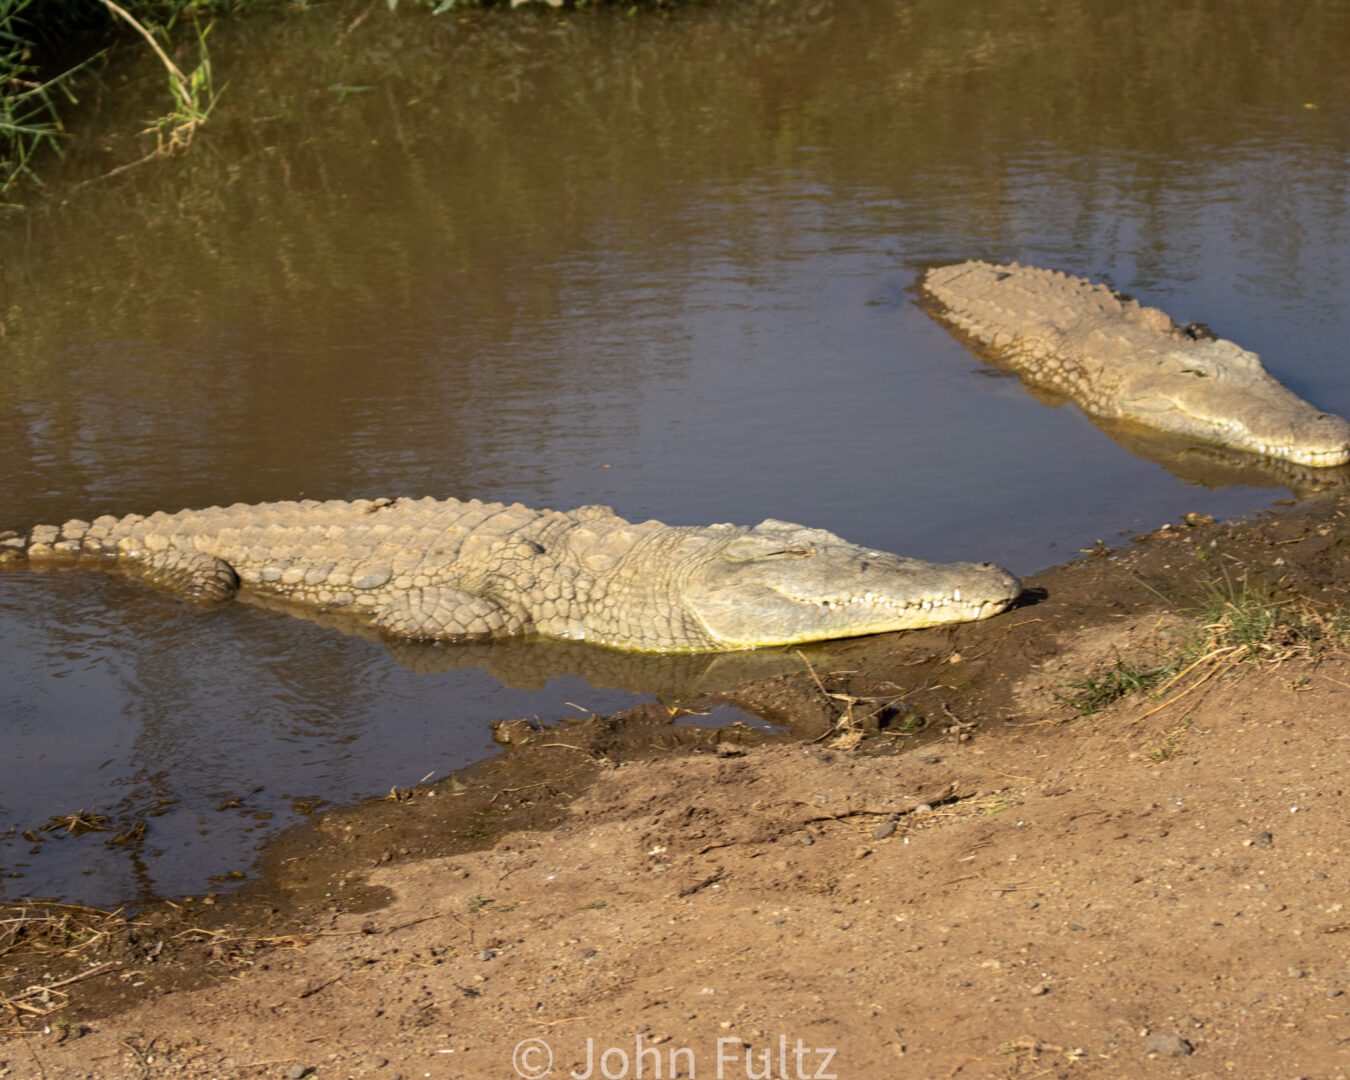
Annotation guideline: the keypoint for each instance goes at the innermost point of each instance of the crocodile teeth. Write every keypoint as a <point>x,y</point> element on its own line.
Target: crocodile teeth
<point>871,599</point>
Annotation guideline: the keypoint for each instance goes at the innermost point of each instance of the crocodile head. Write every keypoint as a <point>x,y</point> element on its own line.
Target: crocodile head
<point>1216,392</point>
<point>784,584</point>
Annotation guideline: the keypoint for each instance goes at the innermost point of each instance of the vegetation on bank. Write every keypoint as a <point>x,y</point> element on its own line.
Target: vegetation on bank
<point>48,47</point>
<point>1236,622</point>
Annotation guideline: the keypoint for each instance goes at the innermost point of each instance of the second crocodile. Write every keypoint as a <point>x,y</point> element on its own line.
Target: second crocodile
<point>1121,361</point>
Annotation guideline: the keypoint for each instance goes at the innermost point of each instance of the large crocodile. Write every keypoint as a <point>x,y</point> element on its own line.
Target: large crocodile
<point>449,570</point>
<point>1121,361</point>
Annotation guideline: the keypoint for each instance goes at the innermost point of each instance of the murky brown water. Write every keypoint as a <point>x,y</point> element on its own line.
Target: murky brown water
<point>659,262</point>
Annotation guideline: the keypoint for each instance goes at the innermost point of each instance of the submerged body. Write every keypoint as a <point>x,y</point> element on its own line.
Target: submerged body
<point>447,570</point>
<point>1121,361</point>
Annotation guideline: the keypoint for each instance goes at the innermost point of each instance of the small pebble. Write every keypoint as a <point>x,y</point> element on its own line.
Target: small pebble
<point>486,954</point>
<point>1265,839</point>
<point>1168,1045</point>
<point>885,829</point>
<point>1297,973</point>
<point>374,1061</point>
<point>1040,990</point>
<point>295,1072</point>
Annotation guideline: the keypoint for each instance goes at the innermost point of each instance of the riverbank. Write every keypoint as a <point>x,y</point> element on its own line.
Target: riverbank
<point>951,870</point>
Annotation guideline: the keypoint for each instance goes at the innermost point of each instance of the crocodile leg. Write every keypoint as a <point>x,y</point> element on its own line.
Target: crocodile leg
<point>195,575</point>
<point>444,613</point>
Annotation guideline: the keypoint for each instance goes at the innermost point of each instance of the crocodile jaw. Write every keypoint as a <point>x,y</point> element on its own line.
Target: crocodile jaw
<point>1315,454</point>
<point>841,591</point>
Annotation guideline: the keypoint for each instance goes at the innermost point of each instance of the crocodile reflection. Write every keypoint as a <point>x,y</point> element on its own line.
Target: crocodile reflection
<point>1211,466</point>
<point>529,663</point>
<point>1205,465</point>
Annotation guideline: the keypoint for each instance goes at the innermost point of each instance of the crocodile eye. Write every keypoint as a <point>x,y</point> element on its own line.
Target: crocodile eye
<point>758,548</point>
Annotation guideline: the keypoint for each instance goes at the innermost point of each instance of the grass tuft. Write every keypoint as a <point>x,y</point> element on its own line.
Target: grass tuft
<point>1238,621</point>
<point>1095,692</point>
<point>1248,618</point>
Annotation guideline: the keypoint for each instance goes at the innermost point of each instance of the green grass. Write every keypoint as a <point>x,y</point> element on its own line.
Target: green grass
<point>1095,692</point>
<point>28,115</point>
<point>32,98</point>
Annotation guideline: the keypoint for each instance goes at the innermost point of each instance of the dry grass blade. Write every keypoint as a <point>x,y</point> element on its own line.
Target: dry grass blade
<point>1232,660</point>
<point>1210,655</point>
<point>78,823</point>
<point>42,1000</point>
<point>179,79</point>
<point>48,988</point>
<point>849,729</point>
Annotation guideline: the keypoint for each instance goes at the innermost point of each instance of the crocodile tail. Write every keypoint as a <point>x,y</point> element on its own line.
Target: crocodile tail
<point>17,545</point>
<point>13,546</point>
<point>45,542</point>
<point>195,575</point>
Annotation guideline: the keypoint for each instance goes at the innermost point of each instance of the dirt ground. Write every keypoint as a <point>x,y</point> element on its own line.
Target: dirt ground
<point>989,884</point>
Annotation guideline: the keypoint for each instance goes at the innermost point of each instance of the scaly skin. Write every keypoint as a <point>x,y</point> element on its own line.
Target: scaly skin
<point>1121,361</point>
<point>448,570</point>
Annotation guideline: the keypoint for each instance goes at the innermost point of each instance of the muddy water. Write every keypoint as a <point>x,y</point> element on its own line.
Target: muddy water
<point>663,263</point>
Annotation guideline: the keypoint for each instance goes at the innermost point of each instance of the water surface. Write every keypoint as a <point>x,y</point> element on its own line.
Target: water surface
<point>664,263</point>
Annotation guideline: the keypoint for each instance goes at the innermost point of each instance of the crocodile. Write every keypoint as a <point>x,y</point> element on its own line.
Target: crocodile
<point>446,570</point>
<point>1121,361</point>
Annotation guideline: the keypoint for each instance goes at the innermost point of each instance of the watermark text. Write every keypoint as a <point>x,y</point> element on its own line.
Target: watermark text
<point>729,1058</point>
